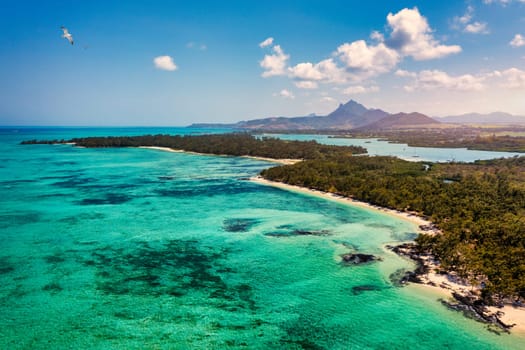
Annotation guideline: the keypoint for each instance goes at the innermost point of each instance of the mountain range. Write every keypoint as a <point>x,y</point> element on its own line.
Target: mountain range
<point>353,115</point>
<point>477,118</point>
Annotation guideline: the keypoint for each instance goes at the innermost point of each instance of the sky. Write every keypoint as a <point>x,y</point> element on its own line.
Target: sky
<point>174,63</point>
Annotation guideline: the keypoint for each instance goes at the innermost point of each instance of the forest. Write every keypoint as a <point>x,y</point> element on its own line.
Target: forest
<point>479,207</point>
<point>236,144</point>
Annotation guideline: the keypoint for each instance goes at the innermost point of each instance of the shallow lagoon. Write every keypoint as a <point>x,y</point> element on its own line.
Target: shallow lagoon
<point>134,248</point>
<point>377,147</point>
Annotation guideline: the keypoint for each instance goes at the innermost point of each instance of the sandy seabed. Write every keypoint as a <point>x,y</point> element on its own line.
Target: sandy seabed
<point>437,282</point>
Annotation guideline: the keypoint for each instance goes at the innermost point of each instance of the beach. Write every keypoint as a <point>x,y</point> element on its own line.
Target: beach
<point>272,160</point>
<point>443,285</point>
<point>424,225</point>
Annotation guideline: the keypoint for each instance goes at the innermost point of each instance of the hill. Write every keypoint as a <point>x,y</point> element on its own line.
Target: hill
<point>347,116</point>
<point>478,118</point>
<point>402,121</point>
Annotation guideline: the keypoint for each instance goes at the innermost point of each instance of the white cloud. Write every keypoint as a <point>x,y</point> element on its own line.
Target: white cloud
<point>306,71</point>
<point>405,74</point>
<point>379,37</point>
<point>328,99</point>
<point>435,79</point>
<point>266,42</point>
<point>371,60</point>
<point>326,71</point>
<point>512,78</point>
<point>502,2</point>
<point>358,89</point>
<point>467,17</point>
<point>286,94</point>
<point>412,36</point>
<point>477,28</point>
<point>193,45</point>
<point>465,23</point>
<point>517,41</point>
<point>304,84</point>
<point>274,64</point>
<point>165,63</point>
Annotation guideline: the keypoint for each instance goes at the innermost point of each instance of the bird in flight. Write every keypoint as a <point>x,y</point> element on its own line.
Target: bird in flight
<point>67,35</point>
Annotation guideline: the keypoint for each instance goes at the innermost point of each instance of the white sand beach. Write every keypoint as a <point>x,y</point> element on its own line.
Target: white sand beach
<point>445,285</point>
<point>418,220</point>
<point>272,160</point>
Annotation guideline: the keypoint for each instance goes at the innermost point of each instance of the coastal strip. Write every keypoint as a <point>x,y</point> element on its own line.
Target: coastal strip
<point>424,225</point>
<point>272,160</point>
<point>427,279</point>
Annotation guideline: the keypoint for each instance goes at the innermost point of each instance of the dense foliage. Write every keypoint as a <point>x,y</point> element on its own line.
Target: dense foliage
<point>479,207</point>
<point>239,144</point>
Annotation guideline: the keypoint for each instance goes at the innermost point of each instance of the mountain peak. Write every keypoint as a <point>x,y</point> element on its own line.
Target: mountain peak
<point>351,108</point>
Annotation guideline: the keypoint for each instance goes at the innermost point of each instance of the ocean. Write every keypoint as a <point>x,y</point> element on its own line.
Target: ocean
<point>145,249</point>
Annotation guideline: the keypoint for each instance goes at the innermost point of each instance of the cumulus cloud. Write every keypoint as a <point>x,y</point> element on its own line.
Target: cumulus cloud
<point>466,24</point>
<point>412,36</point>
<point>267,42</point>
<point>285,94</point>
<point>436,79</point>
<point>306,73</point>
<point>409,36</point>
<point>165,63</point>
<point>274,64</point>
<point>369,59</point>
<point>477,28</point>
<point>512,78</point>
<point>358,89</point>
<point>305,84</point>
<point>517,41</point>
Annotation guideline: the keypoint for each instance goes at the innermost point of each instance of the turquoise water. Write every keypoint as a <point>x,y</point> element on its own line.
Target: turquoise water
<point>144,249</point>
<point>377,147</point>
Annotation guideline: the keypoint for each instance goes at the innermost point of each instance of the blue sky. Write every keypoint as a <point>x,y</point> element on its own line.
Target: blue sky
<point>177,63</point>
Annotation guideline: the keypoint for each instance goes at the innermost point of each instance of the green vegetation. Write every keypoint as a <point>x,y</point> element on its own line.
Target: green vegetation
<point>497,139</point>
<point>240,144</point>
<point>480,208</point>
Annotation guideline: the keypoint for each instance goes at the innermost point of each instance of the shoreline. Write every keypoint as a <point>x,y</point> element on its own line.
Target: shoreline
<point>443,284</point>
<point>424,225</point>
<point>272,160</point>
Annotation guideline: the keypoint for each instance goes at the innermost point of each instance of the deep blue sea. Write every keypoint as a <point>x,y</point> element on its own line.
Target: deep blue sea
<point>146,249</point>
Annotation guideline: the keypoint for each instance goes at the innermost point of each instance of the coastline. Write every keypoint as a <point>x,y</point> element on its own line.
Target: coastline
<point>443,284</point>
<point>272,160</point>
<point>424,225</point>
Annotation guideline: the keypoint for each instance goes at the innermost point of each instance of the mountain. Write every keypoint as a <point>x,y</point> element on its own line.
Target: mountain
<point>402,121</point>
<point>477,118</point>
<point>347,116</point>
<point>354,115</point>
